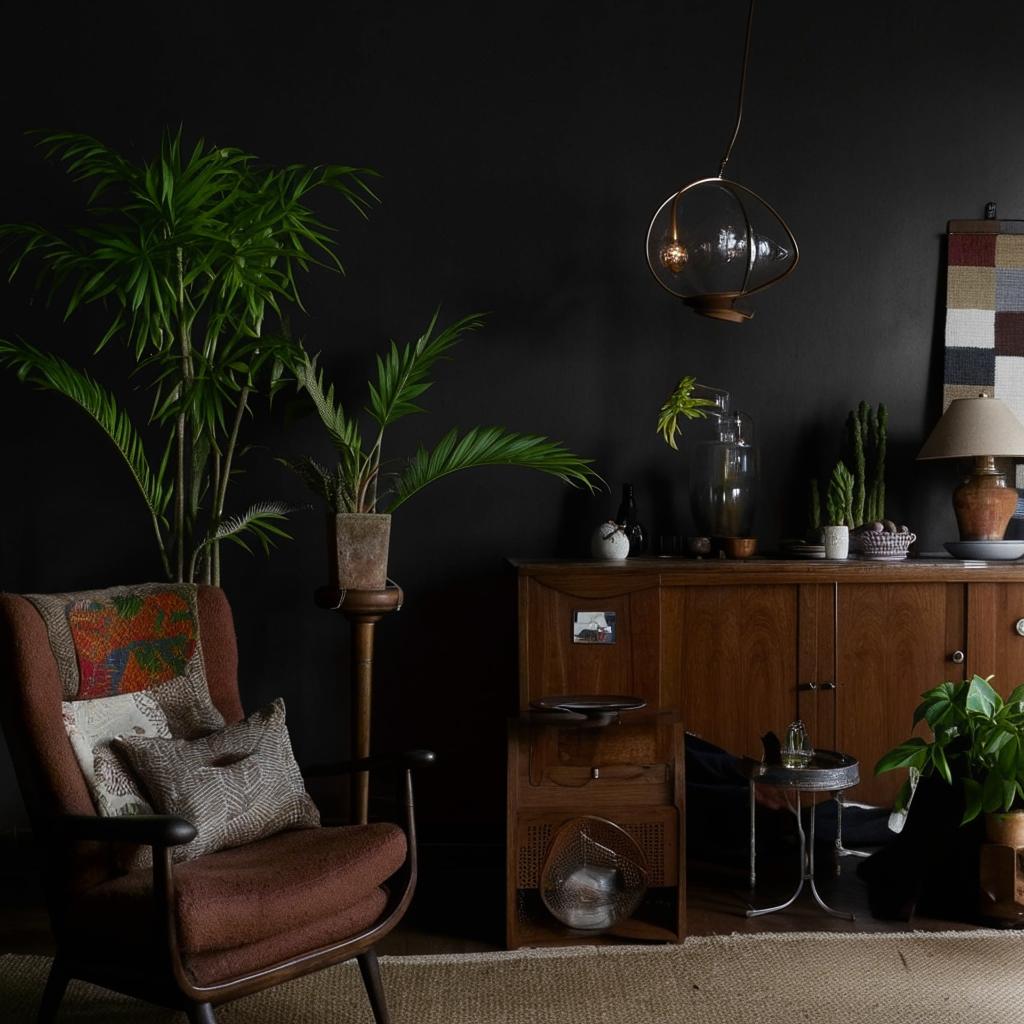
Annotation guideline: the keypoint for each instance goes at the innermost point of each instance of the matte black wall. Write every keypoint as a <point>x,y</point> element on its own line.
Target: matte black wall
<point>523,150</point>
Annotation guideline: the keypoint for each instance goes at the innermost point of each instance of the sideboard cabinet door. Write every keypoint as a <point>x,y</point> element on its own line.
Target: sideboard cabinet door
<point>893,642</point>
<point>995,644</point>
<point>733,651</point>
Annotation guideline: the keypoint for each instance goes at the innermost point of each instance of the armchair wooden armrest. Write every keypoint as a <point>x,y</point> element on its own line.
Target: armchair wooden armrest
<point>161,830</point>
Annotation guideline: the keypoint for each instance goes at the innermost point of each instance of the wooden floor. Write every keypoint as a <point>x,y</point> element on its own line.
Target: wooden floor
<point>459,906</point>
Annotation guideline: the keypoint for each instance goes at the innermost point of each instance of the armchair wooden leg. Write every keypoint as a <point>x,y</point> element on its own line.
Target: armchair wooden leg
<point>370,971</point>
<point>56,984</point>
<point>200,1013</point>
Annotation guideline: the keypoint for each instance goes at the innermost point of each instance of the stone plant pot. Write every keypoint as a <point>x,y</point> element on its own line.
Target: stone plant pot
<point>837,541</point>
<point>1005,829</point>
<point>357,550</point>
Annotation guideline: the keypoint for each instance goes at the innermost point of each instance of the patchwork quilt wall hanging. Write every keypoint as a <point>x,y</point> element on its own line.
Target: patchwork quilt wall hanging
<point>985,314</point>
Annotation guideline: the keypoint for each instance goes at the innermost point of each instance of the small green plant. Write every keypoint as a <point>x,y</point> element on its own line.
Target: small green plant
<point>363,481</point>
<point>814,510</point>
<point>839,500</point>
<point>682,402</point>
<point>977,743</point>
<point>866,438</point>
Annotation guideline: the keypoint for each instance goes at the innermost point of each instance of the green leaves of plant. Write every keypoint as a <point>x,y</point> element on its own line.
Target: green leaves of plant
<point>680,403</point>
<point>190,252</point>
<point>51,373</point>
<point>490,446</point>
<point>402,373</point>
<point>977,742</point>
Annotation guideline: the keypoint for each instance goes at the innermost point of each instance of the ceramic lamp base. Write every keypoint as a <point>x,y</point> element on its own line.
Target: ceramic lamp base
<point>983,503</point>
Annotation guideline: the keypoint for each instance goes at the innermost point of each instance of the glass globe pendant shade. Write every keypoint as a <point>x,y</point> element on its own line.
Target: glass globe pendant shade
<point>714,242</point>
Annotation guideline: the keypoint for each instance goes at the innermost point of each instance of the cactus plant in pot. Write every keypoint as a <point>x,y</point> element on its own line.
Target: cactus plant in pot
<point>363,489</point>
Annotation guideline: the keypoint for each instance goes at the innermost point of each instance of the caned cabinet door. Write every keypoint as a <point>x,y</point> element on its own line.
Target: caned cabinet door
<point>733,652</point>
<point>893,642</point>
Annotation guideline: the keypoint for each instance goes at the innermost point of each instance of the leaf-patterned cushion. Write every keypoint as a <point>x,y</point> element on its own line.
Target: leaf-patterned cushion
<point>236,785</point>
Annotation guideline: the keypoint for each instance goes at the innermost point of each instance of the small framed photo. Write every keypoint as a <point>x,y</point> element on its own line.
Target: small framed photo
<point>593,627</point>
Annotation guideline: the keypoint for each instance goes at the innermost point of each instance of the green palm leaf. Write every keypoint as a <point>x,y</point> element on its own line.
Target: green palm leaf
<point>402,373</point>
<point>259,520</point>
<point>343,431</point>
<point>491,446</point>
<point>51,373</point>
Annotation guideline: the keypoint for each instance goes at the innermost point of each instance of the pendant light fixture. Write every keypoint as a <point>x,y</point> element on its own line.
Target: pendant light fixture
<point>715,241</point>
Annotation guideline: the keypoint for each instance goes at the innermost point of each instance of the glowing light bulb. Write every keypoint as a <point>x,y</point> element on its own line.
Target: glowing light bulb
<point>673,255</point>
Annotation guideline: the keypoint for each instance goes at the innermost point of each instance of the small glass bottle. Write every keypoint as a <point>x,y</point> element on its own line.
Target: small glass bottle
<point>628,519</point>
<point>797,750</point>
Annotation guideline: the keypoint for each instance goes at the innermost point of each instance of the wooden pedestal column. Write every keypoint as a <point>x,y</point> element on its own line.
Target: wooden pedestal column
<point>363,609</point>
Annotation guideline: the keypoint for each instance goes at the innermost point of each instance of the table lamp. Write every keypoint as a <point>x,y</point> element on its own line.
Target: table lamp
<point>981,428</point>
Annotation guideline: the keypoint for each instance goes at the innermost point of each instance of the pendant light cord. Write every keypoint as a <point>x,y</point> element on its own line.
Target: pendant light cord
<point>743,84</point>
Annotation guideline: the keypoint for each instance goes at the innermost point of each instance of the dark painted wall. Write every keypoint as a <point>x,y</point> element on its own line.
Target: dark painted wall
<point>523,149</point>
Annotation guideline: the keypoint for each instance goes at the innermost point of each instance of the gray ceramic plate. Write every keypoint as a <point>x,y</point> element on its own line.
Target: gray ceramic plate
<point>985,550</point>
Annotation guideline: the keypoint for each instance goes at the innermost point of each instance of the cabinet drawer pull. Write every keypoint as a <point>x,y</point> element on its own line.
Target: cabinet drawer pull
<point>1020,627</point>
<point>828,686</point>
<point>804,687</point>
<point>958,656</point>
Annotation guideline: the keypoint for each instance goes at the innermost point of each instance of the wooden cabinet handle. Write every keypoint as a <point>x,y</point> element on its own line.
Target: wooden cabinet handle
<point>804,687</point>
<point>828,686</point>
<point>958,657</point>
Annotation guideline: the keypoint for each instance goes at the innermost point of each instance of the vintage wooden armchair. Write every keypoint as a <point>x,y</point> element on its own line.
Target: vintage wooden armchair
<point>196,934</point>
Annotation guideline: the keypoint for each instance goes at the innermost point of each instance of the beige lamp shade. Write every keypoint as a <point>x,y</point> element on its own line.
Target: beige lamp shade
<point>975,426</point>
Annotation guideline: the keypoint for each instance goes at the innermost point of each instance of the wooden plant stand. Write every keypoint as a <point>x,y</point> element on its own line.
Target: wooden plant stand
<point>363,609</point>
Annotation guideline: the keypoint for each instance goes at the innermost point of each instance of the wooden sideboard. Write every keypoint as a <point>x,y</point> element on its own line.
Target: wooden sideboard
<point>743,647</point>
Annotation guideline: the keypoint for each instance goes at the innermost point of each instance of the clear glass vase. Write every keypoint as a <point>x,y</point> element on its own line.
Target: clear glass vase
<point>723,479</point>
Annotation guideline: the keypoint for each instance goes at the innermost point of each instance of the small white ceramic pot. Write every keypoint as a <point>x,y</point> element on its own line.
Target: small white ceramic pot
<point>610,542</point>
<point>837,541</point>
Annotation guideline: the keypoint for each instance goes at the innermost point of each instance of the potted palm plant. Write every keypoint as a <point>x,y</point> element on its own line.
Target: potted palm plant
<point>363,489</point>
<point>977,745</point>
<point>190,254</point>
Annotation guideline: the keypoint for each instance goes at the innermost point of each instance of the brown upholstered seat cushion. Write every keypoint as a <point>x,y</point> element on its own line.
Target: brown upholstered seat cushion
<point>265,899</point>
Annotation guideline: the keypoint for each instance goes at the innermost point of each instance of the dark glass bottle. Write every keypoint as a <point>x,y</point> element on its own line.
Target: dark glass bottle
<point>627,518</point>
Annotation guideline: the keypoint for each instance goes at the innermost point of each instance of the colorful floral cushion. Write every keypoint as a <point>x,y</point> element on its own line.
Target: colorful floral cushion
<point>236,785</point>
<point>124,639</point>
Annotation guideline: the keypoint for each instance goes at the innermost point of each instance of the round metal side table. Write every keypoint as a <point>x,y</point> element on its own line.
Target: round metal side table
<point>828,772</point>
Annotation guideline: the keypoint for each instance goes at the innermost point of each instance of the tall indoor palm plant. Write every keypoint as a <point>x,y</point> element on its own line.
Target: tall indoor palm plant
<point>190,253</point>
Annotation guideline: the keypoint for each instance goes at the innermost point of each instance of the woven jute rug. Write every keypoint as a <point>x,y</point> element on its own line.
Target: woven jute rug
<point>914,978</point>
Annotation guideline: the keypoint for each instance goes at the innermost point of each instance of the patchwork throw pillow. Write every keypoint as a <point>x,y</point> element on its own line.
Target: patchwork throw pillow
<point>122,639</point>
<point>236,785</point>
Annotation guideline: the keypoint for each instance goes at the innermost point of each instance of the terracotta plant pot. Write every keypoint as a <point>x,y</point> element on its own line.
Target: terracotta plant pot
<point>1006,829</point>
<point>357,550</point>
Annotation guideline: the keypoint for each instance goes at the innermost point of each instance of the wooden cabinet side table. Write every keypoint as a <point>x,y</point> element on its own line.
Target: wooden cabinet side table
<point>629,773</point>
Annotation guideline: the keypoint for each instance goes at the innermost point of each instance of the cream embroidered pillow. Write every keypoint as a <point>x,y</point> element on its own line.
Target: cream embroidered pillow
<point>91,725</point>
<point>236,785</point>
<point>180,707</point>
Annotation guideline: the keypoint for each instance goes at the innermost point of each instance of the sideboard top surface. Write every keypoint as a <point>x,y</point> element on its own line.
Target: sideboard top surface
<point>687,571</point>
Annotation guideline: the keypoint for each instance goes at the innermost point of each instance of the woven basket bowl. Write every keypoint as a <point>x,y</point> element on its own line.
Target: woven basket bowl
<point>885,544</point>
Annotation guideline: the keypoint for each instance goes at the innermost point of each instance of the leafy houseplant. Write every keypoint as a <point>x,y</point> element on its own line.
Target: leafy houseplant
<point>364,488</point>
<point>977,744</point>
<point>189,253</point>
<point>683,402</point>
